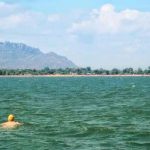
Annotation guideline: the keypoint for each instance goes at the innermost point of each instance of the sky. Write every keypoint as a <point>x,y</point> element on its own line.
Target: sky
<point>98,33</point>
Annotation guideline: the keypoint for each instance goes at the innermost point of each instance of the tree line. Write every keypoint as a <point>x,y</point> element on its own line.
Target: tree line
<point>75,71</point>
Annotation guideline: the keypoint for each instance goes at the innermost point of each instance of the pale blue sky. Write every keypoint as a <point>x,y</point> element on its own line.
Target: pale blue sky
<point>96,33</point>
<point>61,6</point>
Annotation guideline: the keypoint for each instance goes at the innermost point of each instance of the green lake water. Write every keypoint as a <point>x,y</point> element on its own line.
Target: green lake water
<point>76,113</point>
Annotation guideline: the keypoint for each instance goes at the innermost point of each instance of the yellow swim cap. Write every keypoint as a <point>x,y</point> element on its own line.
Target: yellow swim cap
<point>11,117</point>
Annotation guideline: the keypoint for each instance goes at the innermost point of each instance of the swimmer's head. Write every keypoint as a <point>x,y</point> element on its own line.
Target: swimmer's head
<point>11,117</point>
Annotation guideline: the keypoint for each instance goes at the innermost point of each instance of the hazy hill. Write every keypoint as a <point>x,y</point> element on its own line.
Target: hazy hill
<point>21,56</point>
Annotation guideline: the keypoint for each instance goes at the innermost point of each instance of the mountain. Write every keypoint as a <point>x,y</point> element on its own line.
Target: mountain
<point>21,56</point>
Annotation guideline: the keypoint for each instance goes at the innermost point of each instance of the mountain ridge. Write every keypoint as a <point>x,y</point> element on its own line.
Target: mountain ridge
<point>22,56</point>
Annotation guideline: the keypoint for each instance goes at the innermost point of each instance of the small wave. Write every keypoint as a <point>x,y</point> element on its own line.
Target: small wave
<point>59,143</point>
<point>109,94</point>
<point>139,143</point>
<point>87,131</point>
<point>139,133</point>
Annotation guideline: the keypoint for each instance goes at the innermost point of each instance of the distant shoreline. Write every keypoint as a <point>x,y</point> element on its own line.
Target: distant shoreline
<point>69,75</point>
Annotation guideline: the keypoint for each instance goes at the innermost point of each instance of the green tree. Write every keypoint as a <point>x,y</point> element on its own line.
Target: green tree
<point>115,71</point>
<point>139,71</point>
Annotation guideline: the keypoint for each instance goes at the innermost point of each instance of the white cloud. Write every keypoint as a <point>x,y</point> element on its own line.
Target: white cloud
<point>14,16</point>
<point>121,37</point>
<point>54,17</point>
<point>7,7</point>
<point>108,20</point>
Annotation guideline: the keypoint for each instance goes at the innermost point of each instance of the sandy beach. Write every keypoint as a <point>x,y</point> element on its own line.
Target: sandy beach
<point>70,75</point>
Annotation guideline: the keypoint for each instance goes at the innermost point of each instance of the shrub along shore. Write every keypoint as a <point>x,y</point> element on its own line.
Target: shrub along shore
<point>75,72</point>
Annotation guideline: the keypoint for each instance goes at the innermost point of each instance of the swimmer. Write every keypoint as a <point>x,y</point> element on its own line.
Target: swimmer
<point>11,123</point>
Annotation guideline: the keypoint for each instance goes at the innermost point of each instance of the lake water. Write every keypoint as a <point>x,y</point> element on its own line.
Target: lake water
<point>76,113</point>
